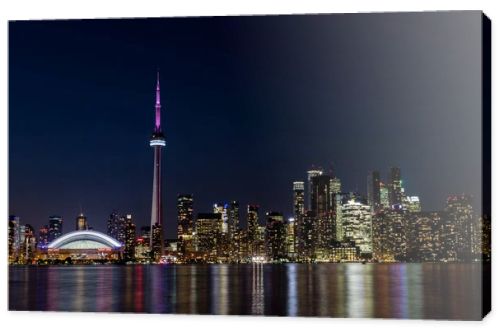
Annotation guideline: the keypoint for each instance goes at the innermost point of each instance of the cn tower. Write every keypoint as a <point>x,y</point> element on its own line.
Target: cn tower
<point>157,142</point>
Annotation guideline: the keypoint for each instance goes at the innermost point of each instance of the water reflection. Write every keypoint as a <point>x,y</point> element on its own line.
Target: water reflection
<point>334,290</point>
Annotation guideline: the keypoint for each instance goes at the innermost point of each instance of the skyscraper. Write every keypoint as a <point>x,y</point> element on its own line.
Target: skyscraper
<point>460,214</point>
<point>253,229</point>
<point>116,227</point>
<point>233,216</point>
<point>43,236</point>
<point>129,250</point>
<point>55,227</point>
<point>275,236</point>
<point>208,231</point>
<point>185,223</point>
<point>373,190</point>
<point>14,238</point>
<point>157,142</point>
<point>313,172</point>
<point>394,186</point>
<point>222,209</point>
<point>81,223</point>
<point>357,224</point>
<point>322,205</point>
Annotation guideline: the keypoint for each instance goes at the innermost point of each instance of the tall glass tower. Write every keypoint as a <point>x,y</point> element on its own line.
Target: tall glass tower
<point>157,142</point>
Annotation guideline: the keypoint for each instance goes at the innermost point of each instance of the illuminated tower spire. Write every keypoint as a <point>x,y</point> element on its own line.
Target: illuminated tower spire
<point>157,142</point>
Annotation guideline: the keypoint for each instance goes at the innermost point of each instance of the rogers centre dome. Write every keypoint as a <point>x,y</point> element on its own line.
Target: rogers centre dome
<point>85,244</point>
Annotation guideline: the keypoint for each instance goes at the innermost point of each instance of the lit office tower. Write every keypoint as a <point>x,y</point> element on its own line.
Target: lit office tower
<point>390,232</point>
<point>116,227</point>
<point>459,213</point>
<point>291,239</point>
<point>412,204</point>
<point>335,186</point>
<point>185,223</point>
<point>313,172</point>
<point>394,186</point>
<point>43,236</point>
<point>357,224</point>
<point>55,227</point>
<point>233,216</point>
<point>275,237</point>
<point>157,142</point>
<point>306,238</point>
<point>222,209</point>
<point>373,190</point>
<point>323,207</point>
<point>298,200</point>
<point>13,238</point>
<point>423,236</point>
<point>253,235</point>
<point>27,244</point>
<point>384,196</point>
<point>81,223</point>
<point>208,233</point>
<point>129,250</point>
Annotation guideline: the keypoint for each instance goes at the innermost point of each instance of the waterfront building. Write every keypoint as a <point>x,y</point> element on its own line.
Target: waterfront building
<point>253,234</point>
<point>291,239</point>
<point>83,246</point>
<point>322,205</point>
<point>14,238</point>
<point>157,142</point>
<point>423,236</point>
<point>55,227</point>
<point>275,237</point>
<point>142,252</point>
<point>81,223</point>
<point>384,196</point>
<point>208,232</point>
<point>306,238</point>
<point>460,214</point>
<point>130,237</point>
<point>344,251</point>
<point>185,224</point>
<point>357,225</point>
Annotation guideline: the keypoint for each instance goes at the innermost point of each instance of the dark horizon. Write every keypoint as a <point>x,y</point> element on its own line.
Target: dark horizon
<point>248,105</point>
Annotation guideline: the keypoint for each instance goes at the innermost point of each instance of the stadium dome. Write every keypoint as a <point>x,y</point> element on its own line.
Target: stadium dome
<point>88,240</point>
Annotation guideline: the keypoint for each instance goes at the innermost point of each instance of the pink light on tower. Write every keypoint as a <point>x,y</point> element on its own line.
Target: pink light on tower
<point>158,104</point>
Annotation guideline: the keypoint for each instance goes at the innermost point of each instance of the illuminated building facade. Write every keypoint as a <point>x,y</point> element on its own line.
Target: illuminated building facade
<point>291,239</point>
<point>253,234</point>
<point>394,186</point>
<point>43,236</point>
<point>185,223</point>
<point>322,205</point>
<point>306,238</point>
<point>14,238</point>
<point>384,196</point>
<point>116,227</point>
<point>357,225</point>
<point>55,227</point>
<point>275,237</point>
<point>208,231</point>
<point>130,237</point>
<point>460,214</point>
<point>81,223</point>
<point>412,204</point>
<point>344,251</point>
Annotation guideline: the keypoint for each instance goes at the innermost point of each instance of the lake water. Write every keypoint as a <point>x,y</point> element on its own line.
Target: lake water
<point>435,291</point>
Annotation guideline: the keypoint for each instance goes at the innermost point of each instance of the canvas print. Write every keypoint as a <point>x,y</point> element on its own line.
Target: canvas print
<point>284,165</point>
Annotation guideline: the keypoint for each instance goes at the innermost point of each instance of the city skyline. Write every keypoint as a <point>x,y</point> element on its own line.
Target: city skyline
<point>225,120</point>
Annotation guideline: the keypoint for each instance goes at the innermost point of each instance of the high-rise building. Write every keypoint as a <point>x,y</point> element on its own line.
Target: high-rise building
<point>233,216</point>
<point>14,238</point>
<point>157,142</point>
<point>357,225</point>
<point>423,236</point>
<point>253,229</point>
<point>384,196</point>
<point>412,204</point>
<point>222,209</point>
<point>322,205</point>
<point>130,238</point>
<point>335,186</point>
<point>291,238</point>
<point>390,234</point>
<point>116,227</point>
<point>55,227</point>
<point>43,236</point>
<point>298,199</point>
<point>27,244</point>
<point>275,237</point>
<point>373,190</point>
<point>306,238</point>
<point>394,187</point>
<point>313,172</point>
<point>185,223</point>
<point>208,232</point>
<point>81,223</point>
<point>459,212</point>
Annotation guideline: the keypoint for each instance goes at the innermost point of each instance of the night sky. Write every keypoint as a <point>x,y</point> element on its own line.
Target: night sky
<point>248,105</point>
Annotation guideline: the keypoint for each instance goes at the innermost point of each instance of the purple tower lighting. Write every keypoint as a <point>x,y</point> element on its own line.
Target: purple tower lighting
<point>157,142</point>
